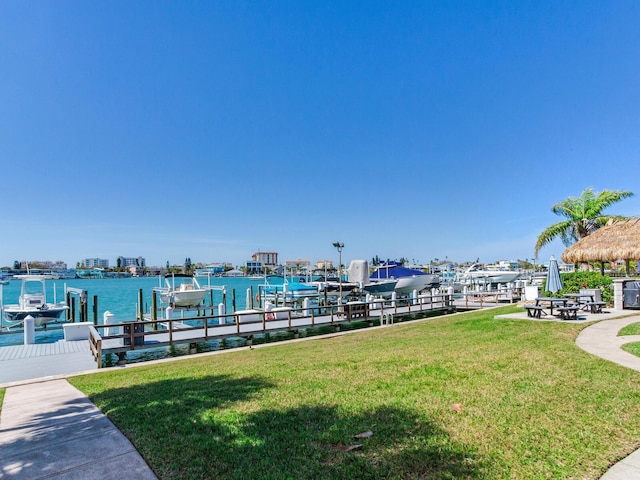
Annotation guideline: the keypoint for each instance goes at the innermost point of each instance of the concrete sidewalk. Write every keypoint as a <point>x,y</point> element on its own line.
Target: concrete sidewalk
<point>51,430</point>
<point>601,339</point>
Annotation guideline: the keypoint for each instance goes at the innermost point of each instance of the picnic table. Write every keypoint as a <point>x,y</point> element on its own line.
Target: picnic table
<point>587,301</point>
<point>582,299</point>
<point>552,301</point>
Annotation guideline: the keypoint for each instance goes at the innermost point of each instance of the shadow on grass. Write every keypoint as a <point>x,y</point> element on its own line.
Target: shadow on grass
<point>208,428</point>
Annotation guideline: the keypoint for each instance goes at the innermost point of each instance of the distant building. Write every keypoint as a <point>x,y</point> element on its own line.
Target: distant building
<point>213,269</point>
<point>322,264</point>
<point>297,265</point>
<point>268,259</point>
<point>254,268</point>
<point>96,262</point>
<point>124,262</point>
<point>135,270</point>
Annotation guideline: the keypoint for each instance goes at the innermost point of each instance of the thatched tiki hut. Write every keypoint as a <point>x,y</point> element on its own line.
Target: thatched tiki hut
<point>617,240</point>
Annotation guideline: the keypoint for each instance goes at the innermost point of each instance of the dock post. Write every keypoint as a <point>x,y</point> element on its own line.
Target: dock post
<point>169,317</point>
<point>84,306</point>
<point>221,313</point>
<point>140,305</point>
<point>122,358</point>
<point>154,308</point>
<point>29,330</point>
<point>108,318</point>
<point>68,299</point>
<point>233,300</point>
<point>95,309</point>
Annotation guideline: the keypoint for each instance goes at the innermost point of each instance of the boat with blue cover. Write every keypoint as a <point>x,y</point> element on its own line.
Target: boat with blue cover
<point>409,279</point>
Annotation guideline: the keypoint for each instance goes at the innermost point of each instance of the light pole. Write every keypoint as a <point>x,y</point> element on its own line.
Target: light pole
<point>339,246</point>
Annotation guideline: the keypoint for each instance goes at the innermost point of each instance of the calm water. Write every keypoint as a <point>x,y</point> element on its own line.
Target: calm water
<point>120,297</point>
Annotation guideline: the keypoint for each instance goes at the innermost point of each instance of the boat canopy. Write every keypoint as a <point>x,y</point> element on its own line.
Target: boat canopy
<point>394,270</point>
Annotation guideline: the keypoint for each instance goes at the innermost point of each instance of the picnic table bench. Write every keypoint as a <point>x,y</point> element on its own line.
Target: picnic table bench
<point>596,307</point>
<point>569,312</point>
<point>534,311</point>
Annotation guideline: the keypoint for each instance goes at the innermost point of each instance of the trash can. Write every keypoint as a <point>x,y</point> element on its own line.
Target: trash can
<point>631,292</point>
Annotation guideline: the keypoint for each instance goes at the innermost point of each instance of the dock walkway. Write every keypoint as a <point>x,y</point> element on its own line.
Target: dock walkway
<point>23,362</point>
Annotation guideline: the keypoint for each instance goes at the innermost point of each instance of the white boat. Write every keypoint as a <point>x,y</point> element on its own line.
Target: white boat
<point>4,280</point>
<point>33,301</point>
<point>358,273</point>
<point>182,291</point>
<point>409,279</point>
<point>491,274</point>
<point>277,289</point>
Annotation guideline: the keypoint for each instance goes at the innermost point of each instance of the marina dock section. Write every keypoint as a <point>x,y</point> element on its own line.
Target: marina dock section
<point>130,339</point>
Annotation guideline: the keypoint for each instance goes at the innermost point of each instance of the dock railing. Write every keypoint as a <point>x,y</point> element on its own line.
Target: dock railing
<point>121,337</point>
<point>126,336</point>
<point>95,344</point>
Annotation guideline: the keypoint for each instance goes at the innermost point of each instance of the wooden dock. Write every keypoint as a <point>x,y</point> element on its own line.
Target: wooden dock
<point>19,363</point>
<point>17,352</point>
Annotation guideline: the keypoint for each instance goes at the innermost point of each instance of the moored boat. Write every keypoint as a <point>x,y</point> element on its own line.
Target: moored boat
<point>33,301</point>
<point>182,291</point>
<point>492,274</point>
<point>409,279</point>
<point>359,274</point>
<point>277,288</point>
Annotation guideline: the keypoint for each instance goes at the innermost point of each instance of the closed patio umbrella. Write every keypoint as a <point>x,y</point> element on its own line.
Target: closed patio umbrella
<point>554,283</point>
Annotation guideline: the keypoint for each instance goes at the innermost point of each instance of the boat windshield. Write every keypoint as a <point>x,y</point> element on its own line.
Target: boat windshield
<point>33,287</point>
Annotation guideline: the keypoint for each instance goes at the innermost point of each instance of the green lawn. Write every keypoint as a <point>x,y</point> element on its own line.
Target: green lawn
<point>462,396</point>
<point>2,390</point>
<point>631,329</point>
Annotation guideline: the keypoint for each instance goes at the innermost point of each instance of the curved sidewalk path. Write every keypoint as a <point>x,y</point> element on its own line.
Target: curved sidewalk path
<point>601,339</point>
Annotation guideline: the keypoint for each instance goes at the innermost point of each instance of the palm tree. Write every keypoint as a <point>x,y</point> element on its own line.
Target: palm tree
<point>583,216</point>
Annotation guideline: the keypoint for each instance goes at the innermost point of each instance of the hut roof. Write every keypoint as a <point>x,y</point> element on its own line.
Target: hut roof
<point>617,240</point>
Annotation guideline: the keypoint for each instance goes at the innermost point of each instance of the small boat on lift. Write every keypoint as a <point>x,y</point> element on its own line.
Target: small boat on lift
<point>33,301</point>
<point>182,291</point>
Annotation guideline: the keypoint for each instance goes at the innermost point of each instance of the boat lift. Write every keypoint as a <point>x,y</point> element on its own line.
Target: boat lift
<point>81,297</point>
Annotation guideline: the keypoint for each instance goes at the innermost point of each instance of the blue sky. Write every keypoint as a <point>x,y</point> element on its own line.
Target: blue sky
<point>212,130</point>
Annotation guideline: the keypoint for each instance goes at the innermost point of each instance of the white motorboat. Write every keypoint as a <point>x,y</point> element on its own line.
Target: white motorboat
<point>358,273</point>
<point>409,279</point>
<point>33,301</point>
<point>491,274</point>
<point>182,291</point>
